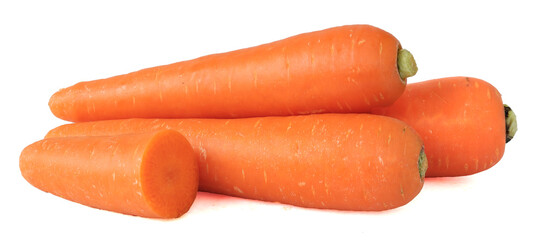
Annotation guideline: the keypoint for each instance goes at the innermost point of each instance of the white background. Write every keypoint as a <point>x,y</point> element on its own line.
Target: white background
<point>48,45</point>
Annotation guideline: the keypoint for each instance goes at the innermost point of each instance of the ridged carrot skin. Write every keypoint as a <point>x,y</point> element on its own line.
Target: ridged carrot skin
<point>331,161</point>
<point>151,175</point>
<point>460,119</point>
<point>343,69</point>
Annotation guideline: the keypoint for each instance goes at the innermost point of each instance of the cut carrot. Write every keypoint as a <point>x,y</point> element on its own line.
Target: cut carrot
<point>332,161</point>
<point>148,174</point>
<point>462,122</point>
<point>340,70</point>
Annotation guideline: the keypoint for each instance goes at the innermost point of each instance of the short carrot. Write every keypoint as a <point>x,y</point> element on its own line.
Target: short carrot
<point>340,70</point>
<point>462,121</point>
<point>148,174</point>
<point>332,161</point>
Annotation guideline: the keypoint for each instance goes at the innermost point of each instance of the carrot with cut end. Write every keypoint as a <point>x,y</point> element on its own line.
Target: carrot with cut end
<point>340,70</point>
<point>332,161</point>
<point>462,121</point>
<point>148,174</point>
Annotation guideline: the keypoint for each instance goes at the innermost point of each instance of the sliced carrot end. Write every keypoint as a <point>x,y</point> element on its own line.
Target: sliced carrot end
<point>169,174</point>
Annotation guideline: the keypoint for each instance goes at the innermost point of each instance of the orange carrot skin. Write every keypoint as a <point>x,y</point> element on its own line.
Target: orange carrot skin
<point>331,161</point>
<point>151,175</point>
<point>460,119</point>
<point>343,69</point>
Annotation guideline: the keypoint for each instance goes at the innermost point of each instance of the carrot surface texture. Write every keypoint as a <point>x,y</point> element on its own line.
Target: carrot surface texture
<point>343,69</point>
<point>330,161</point>
<point>151,174</point>
<point>462,121</point>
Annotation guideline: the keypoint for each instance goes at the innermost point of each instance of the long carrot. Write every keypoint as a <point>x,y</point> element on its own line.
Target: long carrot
<point>342,69</point>
<point>333,161</point>
<point>462,121</point>
<point>149,174</point>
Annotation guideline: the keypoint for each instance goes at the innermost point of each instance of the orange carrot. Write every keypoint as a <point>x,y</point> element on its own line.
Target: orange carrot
<point>462,121</point>
<point>333,161</point>
<point>149,174</point>
<point>342,69</point>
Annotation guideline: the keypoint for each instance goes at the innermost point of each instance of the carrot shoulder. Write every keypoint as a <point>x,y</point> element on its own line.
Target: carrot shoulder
<point>149,174</point>
<point>343,69</point>
<point>462,121</point>
<point>332,161</point>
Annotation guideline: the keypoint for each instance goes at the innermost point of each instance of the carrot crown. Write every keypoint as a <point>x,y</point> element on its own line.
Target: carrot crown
<point>406,64</point>
<point>511,123</point>
<point>422,164</point>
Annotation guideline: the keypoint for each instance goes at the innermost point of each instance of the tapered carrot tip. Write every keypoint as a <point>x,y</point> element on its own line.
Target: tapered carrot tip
<point>511,123</point>
<point>406,64</point>
<point>149,175</point>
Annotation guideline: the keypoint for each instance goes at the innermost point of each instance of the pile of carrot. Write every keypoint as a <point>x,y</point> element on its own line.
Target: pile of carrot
<point>324,120</point>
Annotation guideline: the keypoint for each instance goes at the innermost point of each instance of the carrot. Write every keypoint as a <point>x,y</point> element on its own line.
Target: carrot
<point>342,69</point>
<point>331,161</point>
<point>148,174</point>
<point>462,122</point>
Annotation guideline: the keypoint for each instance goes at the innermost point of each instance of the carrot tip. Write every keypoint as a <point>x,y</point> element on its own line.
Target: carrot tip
<point>422,164</point>
<point>511,123</point>
<point>406,64</point>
